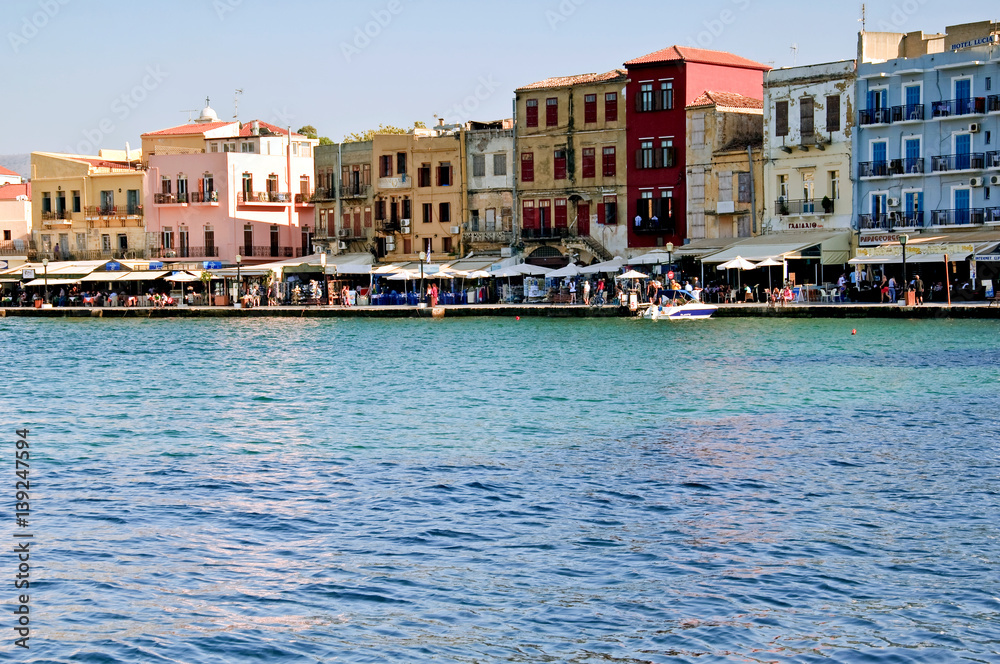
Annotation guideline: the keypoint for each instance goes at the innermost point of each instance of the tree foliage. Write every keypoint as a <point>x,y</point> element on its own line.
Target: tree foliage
<point>357,137</point>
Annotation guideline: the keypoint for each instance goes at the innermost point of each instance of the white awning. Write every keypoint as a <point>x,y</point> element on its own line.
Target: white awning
<point>887,257</point>
<point>833,248</point>
<point>52,282</point>
<point>141,275</point>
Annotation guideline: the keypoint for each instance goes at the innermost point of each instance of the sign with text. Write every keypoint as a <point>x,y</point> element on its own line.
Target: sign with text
<point>113,266</point>
<point>876,240</point>
<point>28,273</point>
<point>980,41</point>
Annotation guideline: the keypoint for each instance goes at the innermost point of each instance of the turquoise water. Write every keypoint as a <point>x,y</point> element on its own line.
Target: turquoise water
<point>493,490</point>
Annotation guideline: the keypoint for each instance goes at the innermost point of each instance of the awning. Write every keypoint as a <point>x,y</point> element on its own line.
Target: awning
<point>831,248</point>
<point>52,282</point>
<point>142,275</point>
<point>892,254</point>
<point>349,268</point>
<point>706,246</point>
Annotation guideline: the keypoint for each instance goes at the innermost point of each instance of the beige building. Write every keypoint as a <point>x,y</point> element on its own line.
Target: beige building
<point>345,199</point>
<point>725,166</point>
<point>571,169</point>
<point>489,227</point>
<point>87,207</point>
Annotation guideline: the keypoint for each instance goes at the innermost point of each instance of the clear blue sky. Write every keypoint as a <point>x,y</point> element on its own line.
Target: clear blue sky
<point>101,72</point>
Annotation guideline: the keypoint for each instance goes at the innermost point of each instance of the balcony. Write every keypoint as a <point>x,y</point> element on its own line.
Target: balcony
<point>875,116</point>
<point>546,233</point>
<point>908,113</point>
<point>873,222</point>
<point>494,237</point>
<point>953,107</point>
<point>993,104</point>
<point>973,161</point>
<point>13,248</point>
<point>272,251</point>
<point>170,199</point>
<point>348,233</point>
<point>207,197</point>
<point>387,226</point>
<point>61,219</point>
<point>95,212</point>
<point>873,169</point>
<point>186,252</point>
<point>303,199</point>
<point>263,198</point>
<point>993,159</point>
<point>992,215</point>
<point>355,191</point>
<point>887,222</point>
<point>963,217</point>
<point>803,207</point>
<point>892,167</point>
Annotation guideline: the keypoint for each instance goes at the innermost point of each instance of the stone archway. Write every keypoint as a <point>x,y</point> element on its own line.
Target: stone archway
<point>547,256</point>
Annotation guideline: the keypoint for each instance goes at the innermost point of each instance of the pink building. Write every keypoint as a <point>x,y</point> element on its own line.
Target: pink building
<point>215,190</point>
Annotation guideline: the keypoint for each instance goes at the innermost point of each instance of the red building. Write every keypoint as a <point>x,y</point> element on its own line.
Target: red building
<point>659,88</point>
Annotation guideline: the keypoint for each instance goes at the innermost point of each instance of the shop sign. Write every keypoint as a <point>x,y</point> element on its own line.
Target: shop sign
<point>981,41</point>
<point>156,266</point>
<point>803,225</point>
<point>28,273</point>
<point>113,267</point>
<point>212,265</point>
<point>876,240</point>
<point>911,251</point>
<point>4,265</point>
<point>988,258</point>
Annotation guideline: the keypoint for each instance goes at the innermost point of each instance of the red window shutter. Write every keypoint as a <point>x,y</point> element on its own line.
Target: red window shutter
<point>559,165</point>
<point>589,163</point>
<point>551,112</point>
<point>531,113</point>
<point>610,165</point>
<point>611,107</point>
<point>590,109</point>
<point>600,213</point>
<point>528,167</point>
<point>583,218</point>
<point>560,215</point>
<point>439,175</point>
<point>528,218</point>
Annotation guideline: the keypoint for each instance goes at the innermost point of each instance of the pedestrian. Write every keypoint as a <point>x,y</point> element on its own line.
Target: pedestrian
<point>892,290</point>
<point>572,292</point>
<point>345,297</point>
<point>918,287</point>
<point>586,292</point>
<point>600,292</point>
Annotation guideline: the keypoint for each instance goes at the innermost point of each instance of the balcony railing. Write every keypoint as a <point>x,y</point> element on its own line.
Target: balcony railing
<point>803,206</point>
<point>972,161</point>
<point>993,104</point>
<point>993,159</point>
<point>962,217</point>
<point>992,215</point>
<point>13,248</point>
<point>355,191</point>
<point>256,197</point>
<point>908,113</point>
<point>387,226</point>
<point>658,227</point>
<point>206,197</point>
<point>323,194</point>
<point>875,116</point>
<point>949,107</point>
<point>881,169</point>
<point>112,211</point>
<point>886,222</point>
<point>547,233</point>
<point>497,237</point>
<point>873,169</point>
<point>272,252</point>
<point>873,222</point>
<point>57,216</point>
<point>186,252</point>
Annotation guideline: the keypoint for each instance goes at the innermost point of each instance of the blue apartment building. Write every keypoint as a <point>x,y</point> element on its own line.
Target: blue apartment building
<point>927,145</point>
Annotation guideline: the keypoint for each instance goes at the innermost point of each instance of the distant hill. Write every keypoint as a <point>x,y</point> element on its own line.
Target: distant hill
<point>19,163</point>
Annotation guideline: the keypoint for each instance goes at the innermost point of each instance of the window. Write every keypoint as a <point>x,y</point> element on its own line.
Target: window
<point>214,147</point>
<point>989,82</point>
<point>209,241</point>
<point>229,147</point>
<point>806,118</point>
<point>499,164</point>
<point>528,218</point>
<point>531,113</point>
<point>444,174</point>
<point>609,163</point>
<point>401,163</point>
<point>478,165</point>
<point>590,109</point>
<point>560,217</point>
<point>407,210</point>
<point>246,147</point>
<point>76,201</point>
<point>81,240</point>
<point>6,237</point>
<point>444,213</point>
<point>781,118</point>
<point>833,113</point>
<point>446,245</point>
<point>380,210</point>
<point>167,237</point>
<point>407,246</point>
<point>743,187</point>
<point>644,156</point>
<point>783,187</point>
<point>385,166</point>
<point>106,244</point>
<point>611,107</point>
<point>551,112</point>
<point>474,220</point>
<point>46,202</point>
<point>428,213</point>
<point>589,163</point>
<point>667,156</point>
<point>247,184</point>
<point>834,189</point>
<point>304,186</point>
<point>424,175</point>
<point>559,165</point>
<point>666,95</point>
<point>165,185</point>
<point>608,214</point>
<point>528,167</point>
<point>644,102</point>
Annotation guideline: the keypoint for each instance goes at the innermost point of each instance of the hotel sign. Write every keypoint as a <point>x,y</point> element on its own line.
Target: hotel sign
<point>876,240</point>
<point>982,41</point>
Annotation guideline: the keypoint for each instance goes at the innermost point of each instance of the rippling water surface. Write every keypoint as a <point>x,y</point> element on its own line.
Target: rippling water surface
<point>495,490</point>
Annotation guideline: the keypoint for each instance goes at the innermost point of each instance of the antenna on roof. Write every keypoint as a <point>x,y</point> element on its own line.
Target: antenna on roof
<point>189,112</point>
<point>236,103</point>
<point>795,54</point>
<point>862,19</point>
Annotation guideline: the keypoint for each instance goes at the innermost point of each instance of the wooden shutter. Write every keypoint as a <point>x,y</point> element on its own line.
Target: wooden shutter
<point>833,113</point>
<point>807,116</point>
<point>781,118</point>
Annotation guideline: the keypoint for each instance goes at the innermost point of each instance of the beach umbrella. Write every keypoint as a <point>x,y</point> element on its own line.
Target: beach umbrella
<point>570,270</point>
<point>183,277</point>
<point>739,263</point>
<point>533,270</point>
<point>769,263</point>
<point>608,267</point>
<point>632,274</point>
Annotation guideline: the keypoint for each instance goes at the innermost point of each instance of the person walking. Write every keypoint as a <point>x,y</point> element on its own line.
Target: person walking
<point>586,292</point>
<point>572,291</point>
<point>918,287</point>
<point>892,290</point>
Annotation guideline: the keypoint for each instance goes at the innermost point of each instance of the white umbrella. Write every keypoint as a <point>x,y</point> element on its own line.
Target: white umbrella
<point>570,270</point>
<point>632,274</point>
<point>479,274</point>
<point>612,265</point>
<point>769,262</point>
<point>183,277</point>
<point>533,270</point>
<point>738,263</point>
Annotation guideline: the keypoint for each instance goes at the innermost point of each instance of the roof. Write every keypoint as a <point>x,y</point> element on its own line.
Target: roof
<point>699,55</point>
<point>7,171</point>
<point>10,192</point>
<point>727,100</point>
<point>579,79</point>
<point>247,129</point>
<point>190,129</point>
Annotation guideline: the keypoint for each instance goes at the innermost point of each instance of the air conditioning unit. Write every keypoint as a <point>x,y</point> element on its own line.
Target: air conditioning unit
<point>974,127</point>
<point>995,180</point>
<point>893,202</point>
<point>455,230</point>
<point>976,182</point>
<point>343,245</point>
<point>344,232</point>
<point>390,244</point>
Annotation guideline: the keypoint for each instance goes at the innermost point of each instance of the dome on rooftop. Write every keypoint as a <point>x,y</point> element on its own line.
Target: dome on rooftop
<point>208,114</point>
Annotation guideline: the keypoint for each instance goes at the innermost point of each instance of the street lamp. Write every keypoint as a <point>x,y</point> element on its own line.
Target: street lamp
<point>45,264</point>
<point>239,280</point>
<point>325,287</point>
<point>902,241</point>
<point>670,256</point>
<point>423,257</point>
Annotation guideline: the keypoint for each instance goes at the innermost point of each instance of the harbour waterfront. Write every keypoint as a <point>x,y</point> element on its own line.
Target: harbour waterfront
<point>483,490</point>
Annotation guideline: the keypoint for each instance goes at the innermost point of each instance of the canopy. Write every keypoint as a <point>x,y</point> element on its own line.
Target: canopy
<point>892,254</point>
<point>533,270</point>
<point>141,275</point>
<point>479,274</point>
<point>833,248</point>
<point>770,262</point>
<point>404,275</point>
<point>632,274</point>
<point>349,268</point>
<point>655,257</point>
<point>183,277</point>
<point>570,270</point>
<point>510,271</point>
<point>738,263</point>
<point>52,282</point>
<point>705,246</point>
<point>608,267</point>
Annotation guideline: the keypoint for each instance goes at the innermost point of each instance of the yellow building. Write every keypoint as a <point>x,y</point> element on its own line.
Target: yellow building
<point>725,166</point>
<point>419,195</point>
<point>571,169</point>
<point>87,207</point>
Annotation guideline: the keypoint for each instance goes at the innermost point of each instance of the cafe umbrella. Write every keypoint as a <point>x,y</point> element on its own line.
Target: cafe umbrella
<point>739,263</point>
<point>769,263</point>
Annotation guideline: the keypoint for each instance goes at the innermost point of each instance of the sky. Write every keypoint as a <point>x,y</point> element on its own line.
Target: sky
<point>88,74</point>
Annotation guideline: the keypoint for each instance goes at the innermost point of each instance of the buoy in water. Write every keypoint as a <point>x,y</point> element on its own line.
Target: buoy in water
<point>854,333</point>
<point>518,318</point>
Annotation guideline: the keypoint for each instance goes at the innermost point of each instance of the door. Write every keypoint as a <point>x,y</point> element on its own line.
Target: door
<point>133,201</point>
<point>911,148</point>
<point>912,102</point>
<point>879,156</point>
<point>248,240</point>
<point>914,208</point>
<point>583,218</point>
<point>544,218</point>
<point>107,202</point>
<point>879,210</point>
<point>491,220</point>
<point>963,94</point>
<point>963,149</point>
<point>184,247</point>
<point>274,240</point>
<point>962,206</point>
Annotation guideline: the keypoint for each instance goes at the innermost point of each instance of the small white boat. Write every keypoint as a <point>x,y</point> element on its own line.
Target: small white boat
<point>680,305</point>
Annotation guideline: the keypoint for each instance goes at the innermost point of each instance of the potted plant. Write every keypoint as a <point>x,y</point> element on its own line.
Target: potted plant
<point>782,207</point>
<point>827,205</point>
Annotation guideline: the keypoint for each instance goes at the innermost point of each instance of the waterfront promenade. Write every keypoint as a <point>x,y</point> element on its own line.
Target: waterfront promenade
<point>981,310</point>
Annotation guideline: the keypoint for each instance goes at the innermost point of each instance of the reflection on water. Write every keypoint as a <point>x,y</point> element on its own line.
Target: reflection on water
<point>501,490</point>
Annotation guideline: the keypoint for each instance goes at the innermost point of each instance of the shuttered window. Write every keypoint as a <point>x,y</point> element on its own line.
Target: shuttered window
<point>781,118</point>
<point>590,109</point>
<point>531,113</point>
<point>528,167</point>
<point>807,117</point>
<point>589,163</point>
<point>833,113</point>
<point>611,107</point>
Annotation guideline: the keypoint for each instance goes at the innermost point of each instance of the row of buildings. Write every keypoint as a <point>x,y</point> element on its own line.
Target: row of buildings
<point>705,151</point>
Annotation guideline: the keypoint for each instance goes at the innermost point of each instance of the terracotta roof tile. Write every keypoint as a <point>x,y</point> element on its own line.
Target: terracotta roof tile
<point>248,129</point>
<point>580,79</point>
<point>190,129</point>
<point>685,54</point>
<point>7,171</point>
<point>727,100</point>
<point>9,192</point>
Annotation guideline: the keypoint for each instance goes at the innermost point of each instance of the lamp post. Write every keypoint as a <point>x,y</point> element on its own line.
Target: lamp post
<point>324,288</point>
<point>239,280</point>
<point>905,287</point>
<point>45,264</point>
<point>423,257</point>
<point>670,256</point>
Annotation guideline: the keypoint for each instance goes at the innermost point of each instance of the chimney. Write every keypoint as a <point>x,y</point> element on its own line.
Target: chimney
<point>440,122</point>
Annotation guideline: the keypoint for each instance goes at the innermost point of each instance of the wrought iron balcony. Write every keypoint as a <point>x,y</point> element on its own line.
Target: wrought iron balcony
<point>961,217</point>
<point>993,159</point>
<point>112,211</point>
<point>13,248</point>
<point>873,222</point>
<point>387,226</point>
<point>545,233</point>
<point>875,116</point>
<point>873,169</point>
<point>803,206</point>
<point>207,197</point>
<point>908,113</point>
<point>891,220</point>
<point>992,215</point>
<point>972,161</point>
<point>497,237</point>
<point>266,197</point>
<point>63,215</point>
<point>950,107</point>
<point>355,191</point>
<point>993,104</point>
<point>272,251</point>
